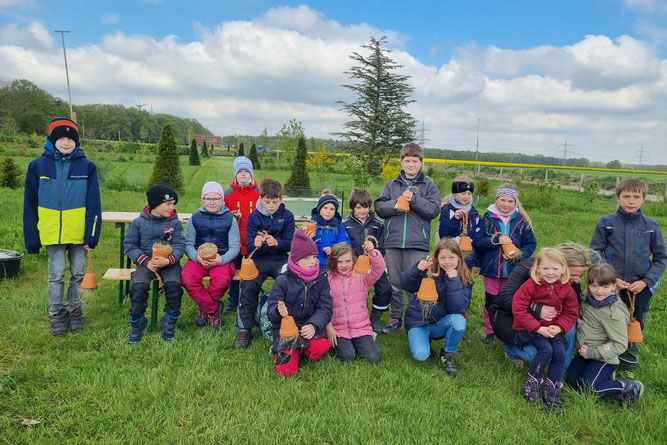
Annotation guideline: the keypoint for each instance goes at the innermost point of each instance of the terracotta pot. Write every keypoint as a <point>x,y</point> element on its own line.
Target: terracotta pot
<point>635,332</point>
<point>465,243</point>
<point>427,290</point>
<point>363,265</point>
<point>288,328</point>
<point>248,270</point>
<point>402,204</point>
<point>311,229</point>
<point>162,250</point>
<point>207,251</point>
<point>89,279</point>
<point>511,251</point>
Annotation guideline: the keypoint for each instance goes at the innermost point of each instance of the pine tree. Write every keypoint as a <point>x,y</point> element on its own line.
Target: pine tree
<point>204,150</point>
<point>242,150</point>
<point>194,155</point>
<point>167,167</point>
<point>254,158</point>
<point>380,126</point>
<point>10,172</point>
<point>298,183</point>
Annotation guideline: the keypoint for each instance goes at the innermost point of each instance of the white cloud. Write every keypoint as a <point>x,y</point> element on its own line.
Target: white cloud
<point>110,19</point>
<point>34,36</point>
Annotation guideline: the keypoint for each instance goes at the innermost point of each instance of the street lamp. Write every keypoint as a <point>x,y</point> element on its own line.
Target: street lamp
<point>69,94</point>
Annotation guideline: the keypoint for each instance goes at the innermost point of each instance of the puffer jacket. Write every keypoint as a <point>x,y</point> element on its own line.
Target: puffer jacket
<point>61,203</point>
<point>147,229</point>
<point>244,199</point>
<point>327,234</point>
<point>453,297</point>
<point>349,294</point>
<point>558,295</point>
<point>218,228</point>
<point>307,302</point>
<point>358,231</point>
<point>604,329</point>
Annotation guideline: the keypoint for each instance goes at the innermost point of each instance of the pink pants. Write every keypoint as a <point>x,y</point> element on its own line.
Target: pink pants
<point>221,277</point>
<point>316,349</point>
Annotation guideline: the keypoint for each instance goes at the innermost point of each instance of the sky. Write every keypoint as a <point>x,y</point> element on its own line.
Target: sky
<point>550,77</point>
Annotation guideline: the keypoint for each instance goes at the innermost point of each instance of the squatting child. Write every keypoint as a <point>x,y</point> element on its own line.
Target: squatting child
<point>329,228</point>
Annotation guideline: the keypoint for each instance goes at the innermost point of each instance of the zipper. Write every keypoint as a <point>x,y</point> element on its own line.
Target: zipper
<point>94,226</point>
<point>405,229</point>
<point>60,202</point>
<point>347,313</point>
<point>305,294</point>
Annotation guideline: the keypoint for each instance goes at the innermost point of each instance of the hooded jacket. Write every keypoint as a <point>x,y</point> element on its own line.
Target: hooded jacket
<point>327,234</point>
<point>61,203</point>
<point>244,199</point>
<point>558,295</point>
<point>218,228</point>
<point>410,230</point>
<point>280,225</point>
<point>147,229</point>
<point>357,231</point>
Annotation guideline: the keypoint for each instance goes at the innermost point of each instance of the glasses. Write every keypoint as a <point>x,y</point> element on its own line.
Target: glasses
<point>211,200</point>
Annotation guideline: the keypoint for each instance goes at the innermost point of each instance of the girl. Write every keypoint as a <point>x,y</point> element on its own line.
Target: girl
<point>453,282</point>
<point>214,223</point>
<point>304,290</point>
<point>549,286</point>
<point>505,222</point>
<point>456,207</point>
<point>350,329</point>
<point>602,335</point>
<point>329,226</point>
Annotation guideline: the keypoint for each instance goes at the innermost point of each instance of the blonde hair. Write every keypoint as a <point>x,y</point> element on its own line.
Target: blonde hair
<point>577,255</point>
<point>337,251</point>
<point>550,254</point>
<point>519,207</point>
<point>460,178</point>
<point>462,268</point>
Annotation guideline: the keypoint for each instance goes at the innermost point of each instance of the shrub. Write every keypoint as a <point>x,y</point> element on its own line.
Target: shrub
<point>591,190</point>
<point>540,196</point>
<point>357,169</point>
<point>194,155</point>
<point>298,183</point>
<point>167,167</point>
<point>10,173</point>
<point>482,187</point>
<point>391,167</point>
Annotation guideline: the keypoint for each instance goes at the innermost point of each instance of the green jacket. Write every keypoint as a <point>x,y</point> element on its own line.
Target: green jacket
<point>604,329</point>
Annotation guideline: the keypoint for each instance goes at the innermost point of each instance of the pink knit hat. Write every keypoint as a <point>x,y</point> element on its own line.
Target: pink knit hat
<point>302,246</point>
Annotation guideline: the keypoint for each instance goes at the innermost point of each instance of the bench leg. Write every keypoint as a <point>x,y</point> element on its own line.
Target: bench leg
<point>121,298</point>
<point>154,298</point>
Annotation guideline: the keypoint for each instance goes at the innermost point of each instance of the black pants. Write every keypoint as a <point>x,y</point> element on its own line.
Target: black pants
<point>347,349</point>
<point>549,351</point>
<point>382,295</point>
<point>642,301</point>
<point>245,316</point>
<point>141,284</point>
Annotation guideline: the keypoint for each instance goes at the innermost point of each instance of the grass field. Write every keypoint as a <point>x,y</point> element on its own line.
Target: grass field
<point>94,387</point>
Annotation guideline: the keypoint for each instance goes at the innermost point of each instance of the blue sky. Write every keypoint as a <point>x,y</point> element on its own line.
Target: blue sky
<point>533,72</point>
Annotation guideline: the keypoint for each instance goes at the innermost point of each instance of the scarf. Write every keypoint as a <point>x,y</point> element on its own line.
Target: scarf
<point>307,275</point>
<point>611,299</point>
<point>454,203</point>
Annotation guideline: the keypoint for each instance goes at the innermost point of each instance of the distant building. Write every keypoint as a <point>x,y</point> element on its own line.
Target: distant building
<point>211,141</point>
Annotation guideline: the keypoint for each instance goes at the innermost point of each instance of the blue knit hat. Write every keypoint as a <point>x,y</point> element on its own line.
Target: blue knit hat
<point>243,163</point>
<point>327,199</point>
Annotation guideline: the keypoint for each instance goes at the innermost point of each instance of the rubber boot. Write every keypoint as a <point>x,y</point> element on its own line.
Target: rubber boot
<point>376,314</point>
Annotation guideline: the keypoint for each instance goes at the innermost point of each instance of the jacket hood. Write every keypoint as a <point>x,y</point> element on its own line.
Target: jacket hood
<point>52,148</point>
<point>263,211</point>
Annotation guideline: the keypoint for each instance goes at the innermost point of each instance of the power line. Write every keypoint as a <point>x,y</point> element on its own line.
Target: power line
<point>565,150</point>
<point>640,154</point>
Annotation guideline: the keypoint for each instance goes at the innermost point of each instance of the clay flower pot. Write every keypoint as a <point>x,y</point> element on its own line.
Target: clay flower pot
<point>427,291</point>
<point>363,265</point>
<point>311,229</point>
<point>635,332</point>
<point>207,251</point>
<point>162,250</point>
<point>511,251</point>
<point>248,270</point>
<point>288,328</point>
<point>465,243</point>
<point>402,203</point>
<point>89,279</point>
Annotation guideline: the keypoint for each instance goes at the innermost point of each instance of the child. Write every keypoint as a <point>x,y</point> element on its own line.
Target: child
<point>213,223</point>
<point>241,199</point>
<point>329,226</point>
<point>62,211</point>
<point>458,205</point>
<point>157,223</point>
<point>634,245</point>
<point>453,282</point>
<point>505,222</point>
<point>269,234</point>
<point>408,234</point>
<point>361,223</point>
<point>602,335</point>
<point>304,290</point>
<point>350,329</point>
<point>550,286</point>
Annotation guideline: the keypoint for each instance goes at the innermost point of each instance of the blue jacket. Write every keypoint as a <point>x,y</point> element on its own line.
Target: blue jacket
<point>453,297</point>
<point>489,256</point>
<point>634,245</point>
<point>450,227</point>
<point>280,225</point>
<point>327,234</point>
<point>306,302</point>
<point>61,203</point>
<point>147,229</point>
<point>219,228</point>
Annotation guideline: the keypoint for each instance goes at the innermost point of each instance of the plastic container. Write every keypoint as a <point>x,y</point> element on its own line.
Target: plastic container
<point>10,262</point>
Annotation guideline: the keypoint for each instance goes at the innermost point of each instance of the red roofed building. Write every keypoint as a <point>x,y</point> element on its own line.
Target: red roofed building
<point>211,141</point>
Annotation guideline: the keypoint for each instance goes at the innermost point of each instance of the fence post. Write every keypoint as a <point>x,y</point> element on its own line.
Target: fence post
<point>501,174</point>
<point>581,183</point>
<point>618,180</point>
<point>546,175</point>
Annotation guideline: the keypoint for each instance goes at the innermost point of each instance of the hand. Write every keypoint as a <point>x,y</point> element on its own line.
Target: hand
<point>308,331</point>
<point>452,272</point>
<point>271,241</point>
<point>259,240</point>
<point>622,284</point>
<point>332,335</point>
<point>459,213</point>
<point>554,330</point>
<point>637,286</point>
<point>236,213</point>
<point>548,313</point>
<point>408,194</point>
<point>424,264</point>
<point>504,239</point>
<point>282,309</point>
<point>368,247</point>
<point>327,250</point>
<point>212,262</point>
<point>544,332</point>
<point>87,247</point>
<point>582,351</point>
<point>157,263</point>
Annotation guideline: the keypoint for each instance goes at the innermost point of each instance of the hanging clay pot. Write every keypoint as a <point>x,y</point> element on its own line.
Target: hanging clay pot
<point>207,251</point>
<point>89,279</point>
<point>363,264</point>
<point>402,203</point>
<point>311,229</point>
<point>635,332</point>
<point>161,250</point>
<point>465,243</point>
<point>248,270</point>
<point>427,290</point>
<point>511,251</point>
<point>288,328</point>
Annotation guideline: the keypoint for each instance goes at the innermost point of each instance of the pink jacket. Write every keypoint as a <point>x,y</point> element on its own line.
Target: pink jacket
<point>350,294</point>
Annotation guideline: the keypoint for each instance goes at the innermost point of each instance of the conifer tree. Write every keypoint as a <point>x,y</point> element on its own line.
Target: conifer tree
<point>242,150</point>
<point>194,154</point>
<point>167,167</point>
<point>10,173</point>
<point>254,157</point>
<point>298,183</point>
<point>204,150</point>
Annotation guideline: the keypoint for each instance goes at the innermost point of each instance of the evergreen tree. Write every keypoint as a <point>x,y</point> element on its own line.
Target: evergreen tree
<point>10,173</point>
<point>380,126</point>
<point>242,150</point>
<point>254,158</point>
<point>167,167</point>
<point>204,150</point>
<point>194,155</point>
<point>298,183</point>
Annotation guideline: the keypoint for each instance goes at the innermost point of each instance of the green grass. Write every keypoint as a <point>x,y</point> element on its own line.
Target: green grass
<point>94,387</point>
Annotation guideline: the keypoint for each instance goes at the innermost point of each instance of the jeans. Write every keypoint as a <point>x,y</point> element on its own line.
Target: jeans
<point>56,286</point>
<point>451,327</point>
<point>527,352</point>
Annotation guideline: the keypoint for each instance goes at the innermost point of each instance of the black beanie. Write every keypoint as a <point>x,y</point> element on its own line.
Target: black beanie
<point>160,193</point>
<point>61,127</point>
<point>326,199</point>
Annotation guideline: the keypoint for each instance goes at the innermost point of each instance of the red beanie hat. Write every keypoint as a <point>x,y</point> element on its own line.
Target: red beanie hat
<point>302,246</point>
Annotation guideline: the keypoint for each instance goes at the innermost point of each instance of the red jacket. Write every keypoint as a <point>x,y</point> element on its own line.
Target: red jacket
<point>558,295</point>
<point>243,198</point>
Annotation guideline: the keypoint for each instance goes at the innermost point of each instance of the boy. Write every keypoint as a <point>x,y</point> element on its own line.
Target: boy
<point>633,244</point>
<point>241,199</point>
<point>269,234</point>
<point>62,211</point>
<point>408,234</point>
<point>157,223</point>
<point>361,223</point>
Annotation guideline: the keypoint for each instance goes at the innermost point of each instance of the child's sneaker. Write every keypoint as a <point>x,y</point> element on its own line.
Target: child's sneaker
<point>632,393</point>
<point>215,318</point>
<point>490,338</point>
<point>552,394</point>
<point>59,323</point>
<point>76,320</point>
<point>392,325</point>
<point>168,324</point>
<point>532,389</point>
<point>242,340</point>
<point>137,329</point>
<point>201,319</point>
<point>447,362</point>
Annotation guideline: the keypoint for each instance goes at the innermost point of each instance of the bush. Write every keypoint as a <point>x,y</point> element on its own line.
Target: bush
<point>591,190</point>
<point>356,167</point>
<point>167,167</point>
<point>10,173</point>
<point>391,167</point>
<point>298,183</point>
<point>482,187</point>
<point>540,196</point>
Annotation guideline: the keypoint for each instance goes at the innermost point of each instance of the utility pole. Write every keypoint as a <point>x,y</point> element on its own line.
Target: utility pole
<point>477,152</point>
<point>69,94</point>
<point>422,137</point>
<point>565,150</point>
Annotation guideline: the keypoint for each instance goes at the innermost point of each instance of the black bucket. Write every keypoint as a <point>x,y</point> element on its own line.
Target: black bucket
<point>9,263</point>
